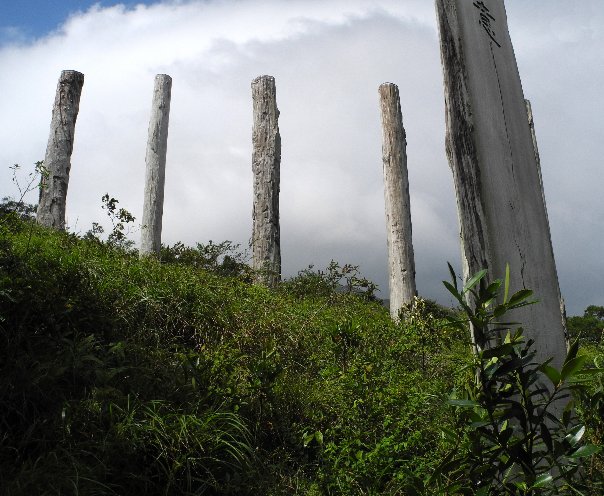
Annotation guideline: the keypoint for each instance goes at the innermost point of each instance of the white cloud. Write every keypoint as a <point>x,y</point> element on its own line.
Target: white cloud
<point>328,59</point>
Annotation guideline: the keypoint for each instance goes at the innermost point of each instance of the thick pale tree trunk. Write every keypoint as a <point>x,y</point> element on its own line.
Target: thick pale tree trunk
<point>57,162</point>
<point>401,263</point>
<point>529,113</point>
<point>157,146</point>
<point>266,162</point>
<point>490,150</point>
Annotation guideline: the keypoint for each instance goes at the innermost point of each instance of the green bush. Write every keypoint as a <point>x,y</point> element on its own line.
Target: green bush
<point>179,376</point>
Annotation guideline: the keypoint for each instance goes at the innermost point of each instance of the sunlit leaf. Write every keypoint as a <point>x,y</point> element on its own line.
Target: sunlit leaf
<point>474,280</point>
<point>587,450</point>
<point>575,435</point>
<point>571,367</point>
<point>543,480</point>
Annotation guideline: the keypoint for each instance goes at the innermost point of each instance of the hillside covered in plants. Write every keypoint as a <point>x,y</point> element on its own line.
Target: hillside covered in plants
<point>122,376</point>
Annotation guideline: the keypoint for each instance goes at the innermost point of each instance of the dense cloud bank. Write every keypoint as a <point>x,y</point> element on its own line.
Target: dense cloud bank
<point>328,59</point>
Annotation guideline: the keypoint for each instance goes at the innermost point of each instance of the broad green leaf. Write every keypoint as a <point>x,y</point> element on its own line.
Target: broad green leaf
<point>587,450</point>
<point>542,481</point>
<point>572,366</point>
<point>493,288</point>
<point>497,351</point>
<point>499,310</point>
<point>551,373</point>
<point>519,296</point>
<point>513,364</point>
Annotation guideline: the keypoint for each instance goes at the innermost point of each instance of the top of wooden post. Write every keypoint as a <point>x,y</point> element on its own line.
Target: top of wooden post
<point>71,75</point>
<point>264,78</point>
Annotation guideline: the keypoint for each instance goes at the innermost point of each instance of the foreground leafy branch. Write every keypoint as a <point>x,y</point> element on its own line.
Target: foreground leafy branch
<point>511,441</point>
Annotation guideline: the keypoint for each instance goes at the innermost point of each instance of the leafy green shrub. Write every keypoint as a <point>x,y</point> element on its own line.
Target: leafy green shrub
<point>225,259</point>
<point>591,410</point>
<point>177,376</point>
<point>514,443</point>
<point>345,279</point>
<point>589,328</point>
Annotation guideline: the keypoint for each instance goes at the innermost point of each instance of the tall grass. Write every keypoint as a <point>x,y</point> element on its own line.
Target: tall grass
<point>127,376</point>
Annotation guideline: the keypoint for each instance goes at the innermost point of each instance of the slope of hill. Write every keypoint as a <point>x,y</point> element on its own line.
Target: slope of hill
<point>127,376</point>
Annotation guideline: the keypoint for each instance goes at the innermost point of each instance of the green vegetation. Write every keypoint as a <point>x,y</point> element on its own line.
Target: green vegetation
<point>124,376</point>
<point>590,327</point>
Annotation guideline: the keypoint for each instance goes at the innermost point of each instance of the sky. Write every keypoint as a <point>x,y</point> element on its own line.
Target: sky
<point>328,59</point>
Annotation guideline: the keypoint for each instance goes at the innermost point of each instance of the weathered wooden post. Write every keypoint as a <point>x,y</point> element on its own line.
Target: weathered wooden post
<point>531,121</point>
<point>157,146</point>
<point>57,162</point>
<point>490,150</point>
<point>266,162</point>
<point>401,262</point>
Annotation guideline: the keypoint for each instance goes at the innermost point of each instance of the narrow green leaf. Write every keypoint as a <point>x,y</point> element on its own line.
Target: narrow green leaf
<point>454,292</point>
<point>474,280</point>
<point>547,437</point>
<point>572,351</point>
<point>591,371</point>
<point>463,403</point>
<point>575,435</point>
<point>506,287</point>
<point>453,276</point>
<point>449,434</point>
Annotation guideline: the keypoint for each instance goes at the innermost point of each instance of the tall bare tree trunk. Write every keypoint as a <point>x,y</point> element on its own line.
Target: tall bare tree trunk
<point>490,150</point>
<point>401,262</point>
<point>157,146</point>
<point>266,162</point>
<point>529,113</point>
<point>57,162</point>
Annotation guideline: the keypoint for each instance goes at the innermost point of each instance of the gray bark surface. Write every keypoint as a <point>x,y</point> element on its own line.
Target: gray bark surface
<point>491,153</point>
<point>531,121</point>
<point>57,161</point>
<point>157,147</point>
<point>266,162</point>
<point>401,263</point>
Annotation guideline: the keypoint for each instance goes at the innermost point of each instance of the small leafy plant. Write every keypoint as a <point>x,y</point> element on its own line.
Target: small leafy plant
<point>513,443</point>
<point>120,218</point>
<point>336,278</point>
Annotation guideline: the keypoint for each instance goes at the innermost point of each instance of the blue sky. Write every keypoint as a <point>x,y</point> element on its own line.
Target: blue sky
<point>328,59</point>
<point>30,19</point>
